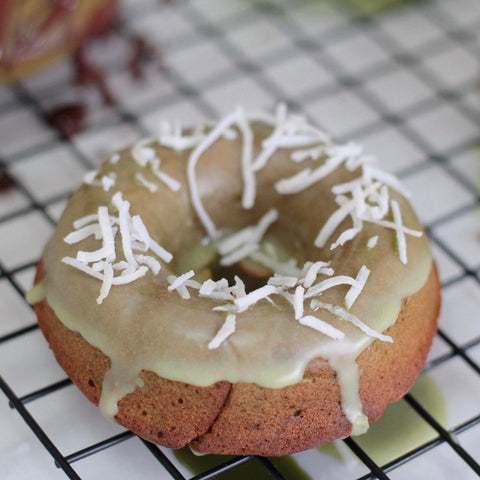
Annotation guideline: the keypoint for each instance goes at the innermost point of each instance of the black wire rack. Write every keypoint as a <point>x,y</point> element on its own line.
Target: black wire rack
<point>402,77</point>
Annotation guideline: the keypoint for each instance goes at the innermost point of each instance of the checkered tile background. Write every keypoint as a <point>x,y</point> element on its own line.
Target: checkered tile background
<point>403,80</point>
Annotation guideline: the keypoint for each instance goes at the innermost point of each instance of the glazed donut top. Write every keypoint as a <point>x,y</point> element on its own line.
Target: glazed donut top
<point>238,251</point>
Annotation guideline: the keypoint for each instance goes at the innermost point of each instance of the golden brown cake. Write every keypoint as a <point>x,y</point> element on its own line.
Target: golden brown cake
<point>248,287</point>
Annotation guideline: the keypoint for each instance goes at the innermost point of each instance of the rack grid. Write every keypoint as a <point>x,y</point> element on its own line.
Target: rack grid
<point>403,80</point>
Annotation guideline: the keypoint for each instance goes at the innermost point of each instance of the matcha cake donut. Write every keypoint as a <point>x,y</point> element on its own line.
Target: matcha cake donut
<point>244,287</point>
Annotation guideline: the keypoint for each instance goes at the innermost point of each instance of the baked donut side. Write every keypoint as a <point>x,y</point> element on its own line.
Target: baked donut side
<point>298,417</point>
<point>243,419</point>
<point>164,411</point>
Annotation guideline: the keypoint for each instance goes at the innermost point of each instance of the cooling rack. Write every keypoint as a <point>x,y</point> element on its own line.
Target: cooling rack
<point>400,77</point>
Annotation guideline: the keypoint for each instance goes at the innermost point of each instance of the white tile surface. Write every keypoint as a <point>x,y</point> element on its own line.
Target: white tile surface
<point>12,200</point>
<point>56,209</point>
<point>7,97</point>
<point>439,349</point>
<point>357,53</point>
<point>98,144</point>
<point>122,462</point>
<point>447,267</point>
<point>162,26</point>
<point>399,90</point>
<point>133,94</point>
<point>461,13</point>
<point>409,30</point>
<point>443,128</point>
<point>459,387</point>
<point>50,173</point>
<point>462,236</point>
<point>218,10</point>
<point>183,111</point>
<point>37,368</point>
<point>393,150</point>
<point>198,63</point>
<point>298,75</point>
<point>14,311</point>
<point>60,73</point>
<point>467,164</point>
<point>441,463</point>
<point>242,91</point>
<point>460,304</point>
<point>435,194</point>
<point>22,238</point>
<point>470,440</point>
<point>257,39</point>
<point>20,444</point>
<point>54,411</point>
<point>21,129</point>
<point>24,279</point>
<point>453,68</point>
<point>316,18</point>
<point>341,113</point>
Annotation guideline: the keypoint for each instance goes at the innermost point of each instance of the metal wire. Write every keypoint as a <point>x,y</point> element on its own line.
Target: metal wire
<point>316,49</point>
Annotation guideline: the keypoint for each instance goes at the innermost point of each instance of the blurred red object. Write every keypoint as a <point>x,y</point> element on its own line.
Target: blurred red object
<point>34,33</point>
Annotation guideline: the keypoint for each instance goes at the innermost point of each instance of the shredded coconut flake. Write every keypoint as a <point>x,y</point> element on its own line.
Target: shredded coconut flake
<point>160,251</point>
<point>150,186</point>
<point>357,287</point>
<point>242,252</point>
<point>248,175</point>
<point>206,142</point>
<point>269,261</point>
<point>372,241</point>
<point>79,235</point>
<point>169,181</point>
<point>282,281</point>
<point>134,238</point>
<point>225,331</point>
<point>152,263</point>
<point>322,327</point>
<point>298,302</point>
<point>108,181</point>
<point>401,240</point>
<point>314,153</point>
<point>85,220</point>
<point>253,297</point>
<point>89,177</point>
<point>328,283</point>
<point>115,158</point>
<point>177,281</point>
<point>349,317</point>
<point>244,242</point>
<point>345,236</point>
<point>306,178</point>
<point>107,282</point>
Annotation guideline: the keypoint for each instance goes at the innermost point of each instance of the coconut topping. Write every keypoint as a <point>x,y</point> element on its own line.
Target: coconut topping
<point>134,238</point>
<point>363,199</point>
<point>150,186</point>
<point>106,181</point>
<point>225,331</point>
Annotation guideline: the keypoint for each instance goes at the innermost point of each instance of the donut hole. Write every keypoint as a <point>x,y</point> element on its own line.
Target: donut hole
<point>292,235</point>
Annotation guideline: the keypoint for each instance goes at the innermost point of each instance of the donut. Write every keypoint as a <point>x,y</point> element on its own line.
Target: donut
<point>242,287</point>
<point>34,34</point>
